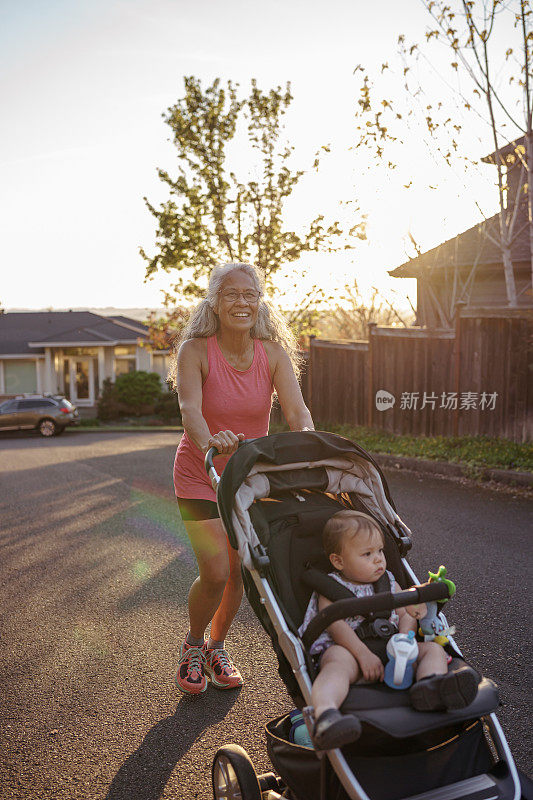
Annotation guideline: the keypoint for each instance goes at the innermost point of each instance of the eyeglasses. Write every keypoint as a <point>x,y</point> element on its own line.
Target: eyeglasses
<point>249,295</point>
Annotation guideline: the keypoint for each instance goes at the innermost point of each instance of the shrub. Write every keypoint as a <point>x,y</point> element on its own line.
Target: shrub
<point>137,390</point>
<point>137,394</point>
<point>108,405</point>
<point>167,408</point>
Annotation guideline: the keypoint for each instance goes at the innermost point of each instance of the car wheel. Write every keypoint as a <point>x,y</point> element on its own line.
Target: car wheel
<point>233,775</point>
<point>47,427</point>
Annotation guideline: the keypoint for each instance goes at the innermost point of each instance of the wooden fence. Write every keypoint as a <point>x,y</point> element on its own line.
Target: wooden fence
<point>471,380</point>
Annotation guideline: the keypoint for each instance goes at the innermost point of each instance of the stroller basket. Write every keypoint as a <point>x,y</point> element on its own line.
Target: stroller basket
<point>448,756</point>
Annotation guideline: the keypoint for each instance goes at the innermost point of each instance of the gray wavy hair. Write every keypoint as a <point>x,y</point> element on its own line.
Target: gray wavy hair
<point>203,321</point>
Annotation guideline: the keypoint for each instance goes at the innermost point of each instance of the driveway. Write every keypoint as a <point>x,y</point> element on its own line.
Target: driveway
<point>95,573</point>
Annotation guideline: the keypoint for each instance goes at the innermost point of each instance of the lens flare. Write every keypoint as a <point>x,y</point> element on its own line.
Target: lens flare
<point>141,571</point>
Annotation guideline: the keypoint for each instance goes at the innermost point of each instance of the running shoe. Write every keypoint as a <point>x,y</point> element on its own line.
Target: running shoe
<point>221,669</point>
<point>190,677</point>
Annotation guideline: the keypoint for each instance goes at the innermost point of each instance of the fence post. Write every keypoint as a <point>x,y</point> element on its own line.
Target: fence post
<point>312,338</point>
<point>457,362</point>
<point>370,376</point>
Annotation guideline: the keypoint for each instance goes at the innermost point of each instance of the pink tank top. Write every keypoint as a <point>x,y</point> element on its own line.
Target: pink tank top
<point>232,399</point>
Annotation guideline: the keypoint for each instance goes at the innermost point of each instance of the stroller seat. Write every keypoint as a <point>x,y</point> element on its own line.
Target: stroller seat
<point>294,543</point>
<point>389,711</point>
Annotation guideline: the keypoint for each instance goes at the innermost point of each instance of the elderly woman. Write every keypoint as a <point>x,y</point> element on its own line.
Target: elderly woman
<point>233,354</point>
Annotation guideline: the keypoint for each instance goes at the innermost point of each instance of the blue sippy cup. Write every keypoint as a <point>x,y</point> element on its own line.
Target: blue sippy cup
<point>402,651</point>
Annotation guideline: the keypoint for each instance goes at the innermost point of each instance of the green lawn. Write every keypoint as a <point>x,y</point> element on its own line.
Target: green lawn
<point>475,452</point>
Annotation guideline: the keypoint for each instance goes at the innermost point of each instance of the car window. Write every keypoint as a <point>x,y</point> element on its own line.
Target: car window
<point>9,405</point>
<point>24,405</point>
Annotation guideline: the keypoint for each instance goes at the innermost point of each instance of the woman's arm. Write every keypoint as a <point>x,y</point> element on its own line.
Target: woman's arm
<point>190,400</point>
<point>288,390</point>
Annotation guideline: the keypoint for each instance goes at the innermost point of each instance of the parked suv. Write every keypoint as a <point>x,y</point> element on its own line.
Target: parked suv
<point>49,414</point>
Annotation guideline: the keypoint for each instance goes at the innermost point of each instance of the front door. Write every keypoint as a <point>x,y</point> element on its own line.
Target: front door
<point>81,373</point>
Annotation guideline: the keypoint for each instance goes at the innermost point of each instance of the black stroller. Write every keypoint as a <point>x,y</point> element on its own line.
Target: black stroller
<point>274,497</point>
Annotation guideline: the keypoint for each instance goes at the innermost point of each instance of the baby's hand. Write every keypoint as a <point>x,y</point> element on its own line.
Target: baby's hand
<point>371,666</point>
<point>418,611</point>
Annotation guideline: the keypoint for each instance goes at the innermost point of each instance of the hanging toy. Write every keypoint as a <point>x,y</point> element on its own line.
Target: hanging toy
<point>431,627</point>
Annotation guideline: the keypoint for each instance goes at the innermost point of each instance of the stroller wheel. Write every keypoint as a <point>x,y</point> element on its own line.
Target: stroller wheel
<point>233,775</point>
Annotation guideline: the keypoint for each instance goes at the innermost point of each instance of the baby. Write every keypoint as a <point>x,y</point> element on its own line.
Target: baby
<point>354,544</point>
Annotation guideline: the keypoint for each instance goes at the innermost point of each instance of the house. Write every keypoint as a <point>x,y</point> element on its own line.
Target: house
<point>71,353</point>
<point>469,267</point>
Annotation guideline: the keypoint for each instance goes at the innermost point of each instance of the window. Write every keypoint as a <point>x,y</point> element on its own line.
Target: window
<point>20,376</point>
<point>123,365</point>
<point>125,350</point>
<point>24,405</point>
<point>161,365</point>
<point>80,351</point>
<point>125,360</point>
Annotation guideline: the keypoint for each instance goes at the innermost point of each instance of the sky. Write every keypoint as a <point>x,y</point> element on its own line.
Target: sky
<point>84,84</point>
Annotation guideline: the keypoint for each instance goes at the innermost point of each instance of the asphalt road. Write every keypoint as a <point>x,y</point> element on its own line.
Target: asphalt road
<point>95,570</point>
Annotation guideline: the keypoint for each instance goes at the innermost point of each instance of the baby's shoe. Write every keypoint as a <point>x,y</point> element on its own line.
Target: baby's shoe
<point>333,729</point>
<point>456,689</point>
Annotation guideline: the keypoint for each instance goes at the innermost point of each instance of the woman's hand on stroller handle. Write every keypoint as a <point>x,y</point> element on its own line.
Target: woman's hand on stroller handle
<point>210,455</point>
<point>384,601</point>
<point>225,442</point>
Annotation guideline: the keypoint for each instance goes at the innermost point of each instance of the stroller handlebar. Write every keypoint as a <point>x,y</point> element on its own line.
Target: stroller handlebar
<point>210,467</point>
<point>213,475</point>
<point>384,601</point>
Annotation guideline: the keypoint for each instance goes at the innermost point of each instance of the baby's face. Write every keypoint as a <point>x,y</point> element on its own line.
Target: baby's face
<point>361,559</point>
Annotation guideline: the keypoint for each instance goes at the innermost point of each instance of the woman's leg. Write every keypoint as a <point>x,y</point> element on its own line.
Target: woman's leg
<point>231,598</point>
<point>212,588</point>
<point>214,597</point>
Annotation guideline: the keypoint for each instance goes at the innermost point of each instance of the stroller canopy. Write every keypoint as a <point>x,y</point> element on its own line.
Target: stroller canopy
<point>288,462</point>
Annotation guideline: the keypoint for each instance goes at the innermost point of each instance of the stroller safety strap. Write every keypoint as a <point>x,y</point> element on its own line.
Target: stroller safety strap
<point>375,625</point>
<point>328,587</point>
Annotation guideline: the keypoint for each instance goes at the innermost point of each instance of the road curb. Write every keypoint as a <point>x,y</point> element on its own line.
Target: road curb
<point>117,429</point>
<point>447,470</point>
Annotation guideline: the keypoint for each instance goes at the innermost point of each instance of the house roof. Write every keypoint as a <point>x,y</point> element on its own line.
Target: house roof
<point>467,247</point>
<point>509,150</point>
<point>30,331</point>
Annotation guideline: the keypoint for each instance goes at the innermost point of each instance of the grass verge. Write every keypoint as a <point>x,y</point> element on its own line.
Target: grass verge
<point>475,452</point>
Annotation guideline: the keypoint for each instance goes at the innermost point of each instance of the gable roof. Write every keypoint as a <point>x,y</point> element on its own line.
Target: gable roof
<point>508,155</point>
<point>31,331</point>
<point>471,245</point>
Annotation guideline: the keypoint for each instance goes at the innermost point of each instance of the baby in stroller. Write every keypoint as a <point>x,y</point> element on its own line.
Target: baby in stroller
<point>354,545</point>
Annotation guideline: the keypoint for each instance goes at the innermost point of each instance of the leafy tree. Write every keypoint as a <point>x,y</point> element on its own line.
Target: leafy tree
<point>214,214</point>
<point>492,83</point>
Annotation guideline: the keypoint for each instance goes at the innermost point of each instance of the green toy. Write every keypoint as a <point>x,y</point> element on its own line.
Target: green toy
<point>440,577</point>
<point>431,627</point>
